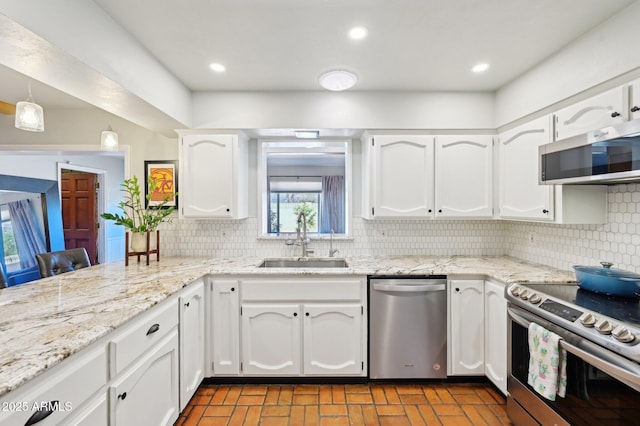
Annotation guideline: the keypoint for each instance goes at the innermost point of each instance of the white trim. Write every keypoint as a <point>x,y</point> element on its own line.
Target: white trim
<point>331,146</point>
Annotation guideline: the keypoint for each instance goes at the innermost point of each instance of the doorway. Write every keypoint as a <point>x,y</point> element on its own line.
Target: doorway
<point>80,199</point>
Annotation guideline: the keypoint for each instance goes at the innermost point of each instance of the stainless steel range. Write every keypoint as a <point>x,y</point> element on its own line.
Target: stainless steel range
<point>601,335</point>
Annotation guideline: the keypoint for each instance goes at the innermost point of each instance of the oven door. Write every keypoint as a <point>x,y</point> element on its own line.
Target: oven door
<point>602,387</point>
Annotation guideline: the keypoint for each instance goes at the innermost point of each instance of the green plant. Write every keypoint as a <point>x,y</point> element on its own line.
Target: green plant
<point>308,210</point>
<point>135,216</point>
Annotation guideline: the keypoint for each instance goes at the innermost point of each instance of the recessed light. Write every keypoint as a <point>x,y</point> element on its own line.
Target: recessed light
<point>217,67</point>
<point>338,80</point>
<point>358,33</point>
<point>482,67</point>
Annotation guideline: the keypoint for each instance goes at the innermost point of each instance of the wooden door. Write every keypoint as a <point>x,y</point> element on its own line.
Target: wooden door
<point>79,212</point>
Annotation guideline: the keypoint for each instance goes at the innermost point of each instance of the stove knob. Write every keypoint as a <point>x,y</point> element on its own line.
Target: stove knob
<point>622,334</point>
<point>524,295</point>
<point>587,319</point>
<point>603,326</point>
<point>515,291</point>
<point>535,298</point>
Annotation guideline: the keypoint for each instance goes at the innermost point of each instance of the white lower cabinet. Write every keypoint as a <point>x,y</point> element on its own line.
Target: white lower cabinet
<point>295,326</point>
<point>495,334</point>
<point>224,327</point>
<point>478,330</point>
<point>192,342</point>
<point>466,327</point>
<point>93,413</point>
<point>60,393</point>
<point>147,393</point>
<point>271,339</point>
<point>332,339</point>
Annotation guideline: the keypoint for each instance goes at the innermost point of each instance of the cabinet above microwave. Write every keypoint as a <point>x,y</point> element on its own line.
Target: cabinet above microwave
<point>606,156</point>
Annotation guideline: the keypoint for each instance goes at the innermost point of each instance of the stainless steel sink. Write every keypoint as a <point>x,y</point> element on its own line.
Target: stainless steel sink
<point>304,263</point>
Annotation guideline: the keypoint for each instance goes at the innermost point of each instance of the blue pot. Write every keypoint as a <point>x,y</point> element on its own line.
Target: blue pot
<point>608,280</point>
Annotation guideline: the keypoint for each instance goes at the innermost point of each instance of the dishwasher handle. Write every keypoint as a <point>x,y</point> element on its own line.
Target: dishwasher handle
<point>412,288</point>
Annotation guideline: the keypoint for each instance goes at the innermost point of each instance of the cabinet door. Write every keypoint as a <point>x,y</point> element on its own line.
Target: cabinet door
<point>271,339</point>
<point>225,327</point>
<point>594,113</point>
<point>466,327</point>
<point>464,176</point>
<point>634,99</point>
<point>93,413</point>
<point>495,338</point>
<point>147,394</point>
<point>332,336</point>
<point>520,195</point>
<point>403,176</point>
<point>206,186</point>
<point>191,341</point>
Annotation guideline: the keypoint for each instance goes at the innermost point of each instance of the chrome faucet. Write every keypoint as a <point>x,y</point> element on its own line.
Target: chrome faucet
<point>332,251</point>
<point>302,240</point>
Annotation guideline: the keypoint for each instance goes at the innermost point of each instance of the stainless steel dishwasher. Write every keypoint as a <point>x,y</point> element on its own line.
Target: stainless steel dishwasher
<point>407,327</point>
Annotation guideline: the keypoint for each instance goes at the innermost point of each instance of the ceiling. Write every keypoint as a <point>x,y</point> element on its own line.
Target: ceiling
<point>284,45</point>
<point>412,45</point>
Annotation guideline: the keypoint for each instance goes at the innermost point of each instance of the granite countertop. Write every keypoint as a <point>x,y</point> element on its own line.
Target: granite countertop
<point>46,321</point>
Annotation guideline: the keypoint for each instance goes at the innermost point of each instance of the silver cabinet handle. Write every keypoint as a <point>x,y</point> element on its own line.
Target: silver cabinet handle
<point>409,288</point>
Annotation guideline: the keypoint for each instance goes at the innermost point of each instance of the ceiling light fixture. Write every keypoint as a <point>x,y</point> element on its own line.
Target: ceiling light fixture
<point>358,33</point>
<point>109,140</point>
<point>338,80</point>
<point>217,67</point>
<point>482,67</point>
<point>29,115</point>
<point>306,134</point>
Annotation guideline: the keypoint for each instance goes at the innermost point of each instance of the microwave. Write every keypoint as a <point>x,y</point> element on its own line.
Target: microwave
<point>608,155</point>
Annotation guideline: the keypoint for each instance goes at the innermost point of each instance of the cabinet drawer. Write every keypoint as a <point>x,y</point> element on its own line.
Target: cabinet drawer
<point>339,289</point>
<point>141,334</point>
<point>61,390</point>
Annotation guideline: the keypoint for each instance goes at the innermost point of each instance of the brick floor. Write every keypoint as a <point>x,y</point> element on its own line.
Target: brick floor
<point>324,405</point>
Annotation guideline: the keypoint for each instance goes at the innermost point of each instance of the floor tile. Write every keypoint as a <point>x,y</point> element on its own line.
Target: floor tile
<point>374,404</point>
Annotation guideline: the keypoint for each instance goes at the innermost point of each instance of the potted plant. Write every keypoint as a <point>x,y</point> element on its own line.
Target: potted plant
<point>140,218</point>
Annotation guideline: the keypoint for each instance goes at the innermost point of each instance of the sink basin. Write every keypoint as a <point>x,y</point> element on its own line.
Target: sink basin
<point>304,263</point>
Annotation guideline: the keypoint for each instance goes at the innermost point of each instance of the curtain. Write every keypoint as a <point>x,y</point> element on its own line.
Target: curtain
<point>29,237</point>
<point>332,215</point>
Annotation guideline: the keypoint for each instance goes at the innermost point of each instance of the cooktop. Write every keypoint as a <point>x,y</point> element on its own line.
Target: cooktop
<point>623,309</point>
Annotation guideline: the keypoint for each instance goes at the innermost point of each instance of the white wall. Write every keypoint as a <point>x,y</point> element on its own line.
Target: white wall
<point>344,110</point>
<point>607,55</point>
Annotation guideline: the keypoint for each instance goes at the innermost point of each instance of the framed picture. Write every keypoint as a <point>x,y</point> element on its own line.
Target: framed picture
<point>166,174</point>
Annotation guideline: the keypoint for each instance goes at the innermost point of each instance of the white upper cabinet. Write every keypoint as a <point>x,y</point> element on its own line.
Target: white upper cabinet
<point>599,111</point>
<point>520,195</point>
<point>402,176</point>
<point>464,176</point>
<point>213,175</point>
<point>634,99</point>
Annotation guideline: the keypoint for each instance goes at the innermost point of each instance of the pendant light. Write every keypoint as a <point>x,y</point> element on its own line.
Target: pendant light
<point>29,115</point>
<point>109,140</point>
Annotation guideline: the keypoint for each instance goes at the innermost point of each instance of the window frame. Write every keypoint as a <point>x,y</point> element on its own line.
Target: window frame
<point>327,145</point>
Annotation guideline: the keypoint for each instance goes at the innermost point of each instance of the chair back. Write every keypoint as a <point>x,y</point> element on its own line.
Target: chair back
<point>59,262</point>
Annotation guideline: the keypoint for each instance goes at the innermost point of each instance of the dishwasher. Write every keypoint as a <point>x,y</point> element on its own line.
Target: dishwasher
<point>408,327</point>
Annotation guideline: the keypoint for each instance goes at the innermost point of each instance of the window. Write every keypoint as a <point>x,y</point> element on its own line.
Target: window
<point>304,177</point>
<point>11,255</point>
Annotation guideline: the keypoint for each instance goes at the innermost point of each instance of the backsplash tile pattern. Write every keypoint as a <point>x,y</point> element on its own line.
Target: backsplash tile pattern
<point>227,238</point>
<point>560,246</point>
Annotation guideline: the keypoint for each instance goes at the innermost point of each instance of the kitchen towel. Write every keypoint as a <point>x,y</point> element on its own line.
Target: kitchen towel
<point>547,363</point>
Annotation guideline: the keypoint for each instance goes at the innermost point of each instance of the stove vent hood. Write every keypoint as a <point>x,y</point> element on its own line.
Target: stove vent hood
<point>610,155</point>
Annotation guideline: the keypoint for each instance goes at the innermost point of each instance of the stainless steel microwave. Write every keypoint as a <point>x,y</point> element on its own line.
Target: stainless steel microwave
<point>608,155</point>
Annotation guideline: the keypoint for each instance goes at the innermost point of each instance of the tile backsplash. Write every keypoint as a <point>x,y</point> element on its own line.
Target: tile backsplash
<point>560,246</point>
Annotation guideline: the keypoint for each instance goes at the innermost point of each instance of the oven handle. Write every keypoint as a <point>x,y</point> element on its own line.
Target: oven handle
<point>612,364</point>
